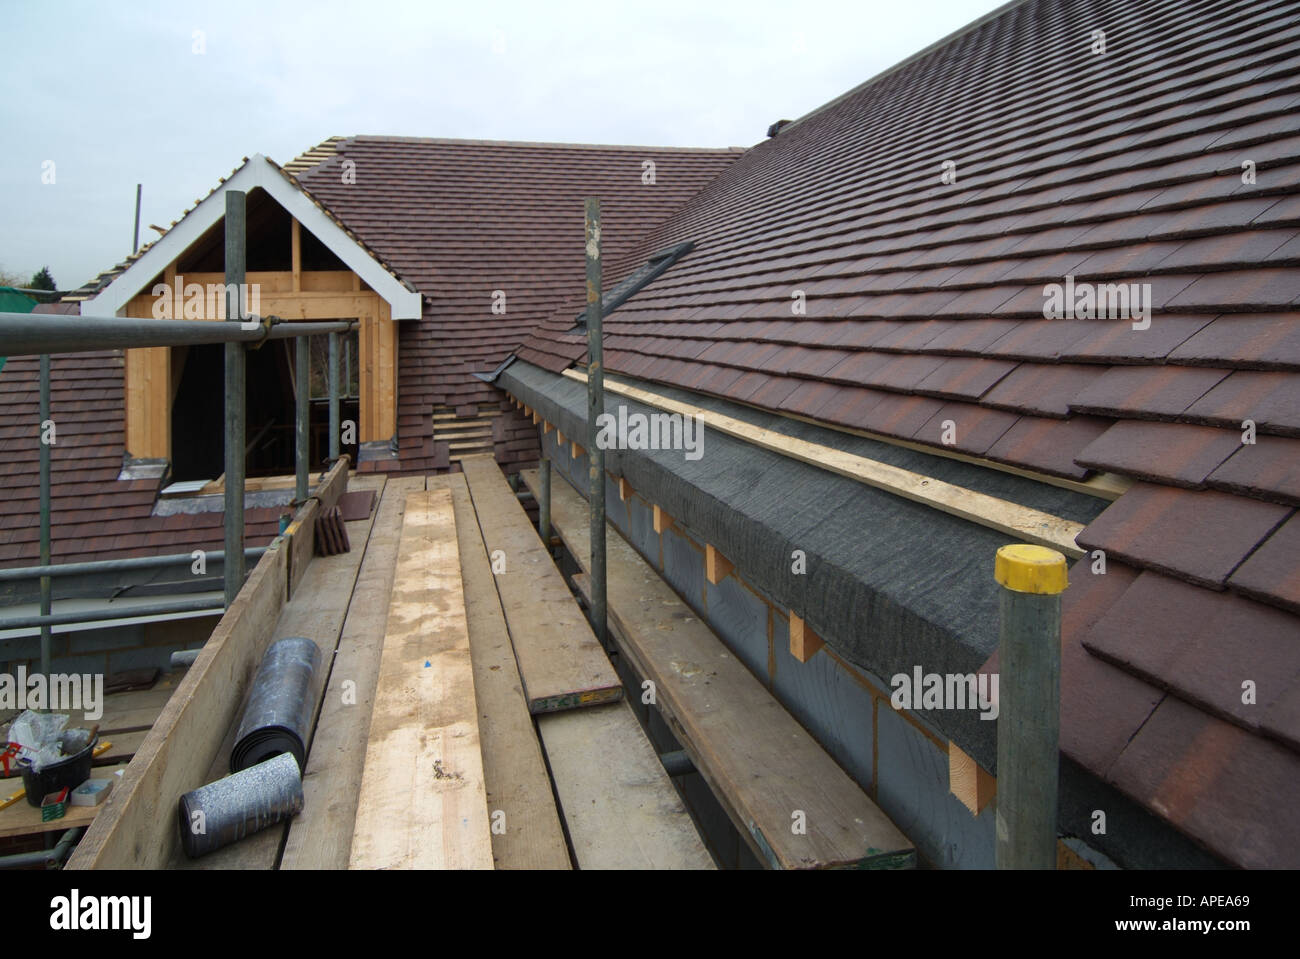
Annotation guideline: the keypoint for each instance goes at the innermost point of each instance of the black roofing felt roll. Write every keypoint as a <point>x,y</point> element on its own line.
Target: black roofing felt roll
<point>239,805</point>
<point>280,706</point>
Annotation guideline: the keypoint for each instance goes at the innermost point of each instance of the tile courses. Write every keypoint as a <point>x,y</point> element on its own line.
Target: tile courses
<point>837,278</point>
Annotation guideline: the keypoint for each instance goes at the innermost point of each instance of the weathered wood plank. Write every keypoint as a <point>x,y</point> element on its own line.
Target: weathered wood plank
<point>321,836</point>
<point>138,827</point>
<point>766,770</point>
<point>316,612</point>
<point>423,802</point>
<point>621,808</point>
<point>514,770</point>
<point>560,659</point>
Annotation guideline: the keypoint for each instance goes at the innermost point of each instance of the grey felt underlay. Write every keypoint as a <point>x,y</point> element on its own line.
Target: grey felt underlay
<point>890,584</point>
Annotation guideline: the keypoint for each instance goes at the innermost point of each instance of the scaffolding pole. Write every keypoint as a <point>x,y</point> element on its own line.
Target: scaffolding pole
<point>595,406</point>
<point>236,372</point>
<point>106,611</point>
<point>334,399</point>
<point>20,573</point>
<point>33,334</point>
<point>302,409</point>
<point>48,435</point>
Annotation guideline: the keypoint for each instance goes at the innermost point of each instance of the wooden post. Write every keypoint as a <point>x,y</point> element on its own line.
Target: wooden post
<point>595,407</point>
<point>1029,704</point>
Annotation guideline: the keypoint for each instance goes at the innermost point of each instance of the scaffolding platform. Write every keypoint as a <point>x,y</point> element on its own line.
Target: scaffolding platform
<point>565,767</point>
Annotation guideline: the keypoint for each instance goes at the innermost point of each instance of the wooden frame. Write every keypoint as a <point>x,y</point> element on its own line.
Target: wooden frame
<point>151,381</point>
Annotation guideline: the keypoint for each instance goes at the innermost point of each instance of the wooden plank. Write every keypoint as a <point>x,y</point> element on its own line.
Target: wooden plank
<point>316,612</point>
<point>1020,522</point>
<point>321,836</point>
<point>765,769</point>
<point>560,659</point>
<point>138,829</point>
<point>423,804</point>
<point>624,489</point>
<point>518,786</point>
<point>295,253</point>
<point>621,808</point>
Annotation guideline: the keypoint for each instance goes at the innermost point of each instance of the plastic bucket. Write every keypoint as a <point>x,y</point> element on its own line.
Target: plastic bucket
<point>70,772</point>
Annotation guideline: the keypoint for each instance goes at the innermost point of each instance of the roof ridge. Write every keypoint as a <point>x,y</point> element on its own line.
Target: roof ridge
<point>456,141</point>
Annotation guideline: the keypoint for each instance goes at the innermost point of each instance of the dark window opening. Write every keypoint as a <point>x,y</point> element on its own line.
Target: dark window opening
<point>198,410</point>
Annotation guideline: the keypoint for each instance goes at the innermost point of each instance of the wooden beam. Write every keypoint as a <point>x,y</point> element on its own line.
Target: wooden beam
<point>561,662</point>
<point>624,489</point>
<point>1020,522</point>
<point>804,642</point>
<point>422,803</point>
<point>968,780</point>
<point>620,806</point>
<point>547,428</point>
<point>716,566</point>
<point>559,439</point>
<point>295,254</point>
<point>527,833</point>
<point>319,306</point>
<point>576,450</point>
<point>386,415</point>
<point>138,829</point>
<point>537,417</point>
<point>662,519</point>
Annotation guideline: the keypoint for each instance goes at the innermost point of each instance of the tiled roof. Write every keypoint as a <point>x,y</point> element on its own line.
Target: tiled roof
<point>460,219</point>
<point>925,304</point>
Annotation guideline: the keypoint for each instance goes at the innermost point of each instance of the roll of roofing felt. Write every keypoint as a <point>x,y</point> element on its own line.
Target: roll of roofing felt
<point>280,706</point>
<point>243,803</point>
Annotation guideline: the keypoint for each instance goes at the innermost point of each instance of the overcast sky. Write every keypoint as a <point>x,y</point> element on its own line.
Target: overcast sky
<point>174,94</point>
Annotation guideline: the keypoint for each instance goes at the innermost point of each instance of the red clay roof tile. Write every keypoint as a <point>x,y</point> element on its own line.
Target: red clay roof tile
<point>1198,536</point>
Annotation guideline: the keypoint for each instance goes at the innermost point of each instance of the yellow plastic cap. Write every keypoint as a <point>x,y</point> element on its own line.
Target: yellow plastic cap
<point>1030,569</point>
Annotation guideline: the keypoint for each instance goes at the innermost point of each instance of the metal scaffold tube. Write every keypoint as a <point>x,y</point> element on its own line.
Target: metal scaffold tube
<point>302,411</point>
<point>106,611</point>
<point>334,398</point>
<point>236,372</point>
<point>32,334</point>
<point>47,436</point>
<point>20,573</point>
<point>595,406</point>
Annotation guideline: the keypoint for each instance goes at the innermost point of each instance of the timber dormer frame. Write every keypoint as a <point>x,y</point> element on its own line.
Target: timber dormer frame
<point>364,290</point>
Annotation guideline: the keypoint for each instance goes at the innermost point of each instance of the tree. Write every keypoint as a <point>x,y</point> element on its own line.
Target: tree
<point>42,280</point>
<point>10,279</point>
